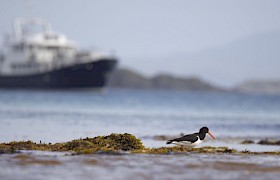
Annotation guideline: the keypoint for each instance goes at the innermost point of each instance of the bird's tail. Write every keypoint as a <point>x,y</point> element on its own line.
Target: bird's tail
<point>169,142</point>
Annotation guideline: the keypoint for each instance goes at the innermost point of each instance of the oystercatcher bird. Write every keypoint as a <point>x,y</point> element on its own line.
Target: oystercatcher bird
<point>191,140</point>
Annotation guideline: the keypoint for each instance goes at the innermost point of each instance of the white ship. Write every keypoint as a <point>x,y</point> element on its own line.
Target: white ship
<point>47,59</point>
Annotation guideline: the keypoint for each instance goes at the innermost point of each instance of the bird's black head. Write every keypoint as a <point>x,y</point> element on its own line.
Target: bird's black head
<point>204,130</point>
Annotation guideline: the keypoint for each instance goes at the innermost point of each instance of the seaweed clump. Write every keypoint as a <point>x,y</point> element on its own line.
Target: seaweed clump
<point>16,146</point>
<point>247,141</point>
<point>113,142</point>
<point>269,142</point>
<point>262,142</point>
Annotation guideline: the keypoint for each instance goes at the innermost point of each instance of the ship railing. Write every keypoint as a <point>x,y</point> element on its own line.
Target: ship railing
<point>19,23</point>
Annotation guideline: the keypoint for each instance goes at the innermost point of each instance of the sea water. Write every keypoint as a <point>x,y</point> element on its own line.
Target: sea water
<point>59,116</point>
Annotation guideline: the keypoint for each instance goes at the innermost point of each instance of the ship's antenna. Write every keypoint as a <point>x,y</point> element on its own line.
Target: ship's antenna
<point>29,8</point>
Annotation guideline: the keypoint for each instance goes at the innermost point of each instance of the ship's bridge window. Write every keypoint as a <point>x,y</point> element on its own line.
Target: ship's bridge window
<point>31,47</point>
<point>18,47</point>
<point>70,48</point>
<point>51,37</point>
<point>25,66</point>
<point>52,47</point>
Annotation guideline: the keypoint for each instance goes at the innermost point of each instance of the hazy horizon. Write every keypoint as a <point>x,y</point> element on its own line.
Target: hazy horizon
<point>224,42</point>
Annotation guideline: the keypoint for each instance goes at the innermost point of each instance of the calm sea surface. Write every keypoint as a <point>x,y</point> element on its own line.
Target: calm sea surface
<point>57,116</point>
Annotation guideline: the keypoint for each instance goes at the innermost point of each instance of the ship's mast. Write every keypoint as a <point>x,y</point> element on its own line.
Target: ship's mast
<point>29,14</point>
<point>30,20</point>
<point>29,8</point>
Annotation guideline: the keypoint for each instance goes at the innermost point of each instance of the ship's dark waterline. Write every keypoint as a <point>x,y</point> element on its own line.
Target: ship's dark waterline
<point>87,75</point>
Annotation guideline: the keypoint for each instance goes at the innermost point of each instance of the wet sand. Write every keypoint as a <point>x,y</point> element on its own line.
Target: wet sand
<point>53,165</point>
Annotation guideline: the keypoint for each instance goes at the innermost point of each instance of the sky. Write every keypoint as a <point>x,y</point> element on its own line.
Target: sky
<point>154,36</point>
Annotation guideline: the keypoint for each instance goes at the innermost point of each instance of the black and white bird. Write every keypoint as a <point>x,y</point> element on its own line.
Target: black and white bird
<point>191,140</point>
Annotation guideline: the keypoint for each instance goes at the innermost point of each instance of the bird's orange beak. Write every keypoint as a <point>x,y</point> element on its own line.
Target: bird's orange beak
<point>211,135</point>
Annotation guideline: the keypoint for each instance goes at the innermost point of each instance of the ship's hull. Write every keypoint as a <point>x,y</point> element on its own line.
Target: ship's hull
<point>87,75</point>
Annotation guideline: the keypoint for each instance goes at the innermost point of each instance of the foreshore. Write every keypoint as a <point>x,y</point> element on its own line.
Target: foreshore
<point>123,156</point>
<point>116,143</point>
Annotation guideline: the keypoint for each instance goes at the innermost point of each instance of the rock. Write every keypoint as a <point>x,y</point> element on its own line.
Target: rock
<point>269,142</point>
<point>246,141</point>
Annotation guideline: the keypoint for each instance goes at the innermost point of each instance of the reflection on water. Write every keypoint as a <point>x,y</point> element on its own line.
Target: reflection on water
<point>190,166</point>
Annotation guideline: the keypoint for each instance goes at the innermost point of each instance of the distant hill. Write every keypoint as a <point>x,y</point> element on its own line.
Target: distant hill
<point>259,86</point>
<point>125,78</point>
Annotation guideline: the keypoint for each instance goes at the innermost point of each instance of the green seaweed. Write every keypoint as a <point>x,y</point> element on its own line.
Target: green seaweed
<point>113,142</point>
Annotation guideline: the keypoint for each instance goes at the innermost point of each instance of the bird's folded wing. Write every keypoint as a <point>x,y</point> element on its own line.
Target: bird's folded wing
<point>191,137</point>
